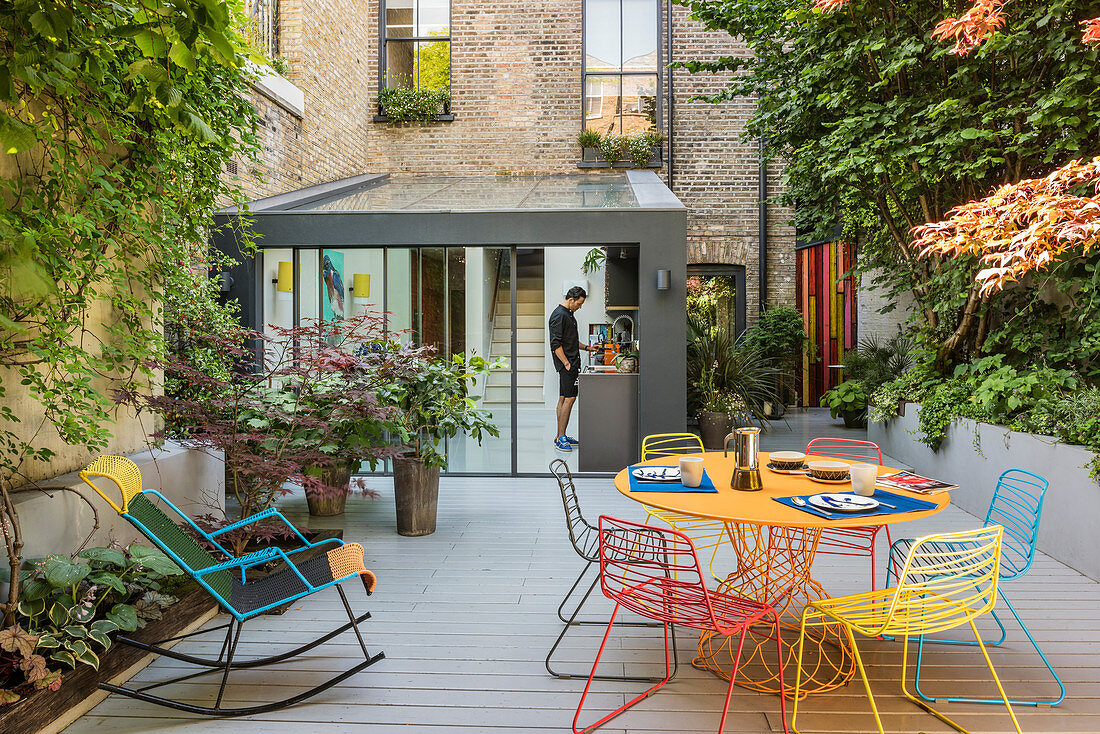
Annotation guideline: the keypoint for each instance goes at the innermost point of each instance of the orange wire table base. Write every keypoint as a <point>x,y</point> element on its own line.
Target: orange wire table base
<point>773,566</point>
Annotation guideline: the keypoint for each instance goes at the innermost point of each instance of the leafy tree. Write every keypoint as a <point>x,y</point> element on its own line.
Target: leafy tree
<point>886,129</point>
<point>433,63</point>
<point>116,122</point>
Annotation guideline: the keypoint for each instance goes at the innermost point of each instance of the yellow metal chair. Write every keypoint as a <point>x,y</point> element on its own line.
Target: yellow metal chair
<point>948,580</point>
<point>705,534</point>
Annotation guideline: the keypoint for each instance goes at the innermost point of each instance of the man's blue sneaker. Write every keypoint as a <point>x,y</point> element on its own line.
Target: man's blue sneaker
<point>572,441</point>
<point>561,443</point>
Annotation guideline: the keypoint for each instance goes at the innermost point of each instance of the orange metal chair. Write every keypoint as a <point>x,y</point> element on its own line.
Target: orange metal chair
<point>857,542</point>
<point>655,573</point>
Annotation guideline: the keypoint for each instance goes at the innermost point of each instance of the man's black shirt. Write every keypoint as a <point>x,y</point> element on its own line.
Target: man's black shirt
<point>563,333</point>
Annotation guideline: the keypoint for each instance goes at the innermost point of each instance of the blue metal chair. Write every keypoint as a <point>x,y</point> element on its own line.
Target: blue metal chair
<point>1017,505</point>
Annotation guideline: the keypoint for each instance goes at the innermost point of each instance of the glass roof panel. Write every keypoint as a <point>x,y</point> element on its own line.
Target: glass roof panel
<point>484,193</point>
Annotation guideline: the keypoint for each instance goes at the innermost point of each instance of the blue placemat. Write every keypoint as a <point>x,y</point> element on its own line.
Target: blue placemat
<point>903,504</point>
<point>707,485</point>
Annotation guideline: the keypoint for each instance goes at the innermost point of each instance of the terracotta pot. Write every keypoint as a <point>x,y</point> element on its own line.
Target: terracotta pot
<point>334,476</point>
<point>416,489</point>
<point>713,427</point>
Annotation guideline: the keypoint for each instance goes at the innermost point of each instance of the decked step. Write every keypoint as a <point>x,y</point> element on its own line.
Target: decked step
<point>524,378</point>
<point>496,394</point>
<point>523,321</point>
<point>523,308</point>
<point>523,349</point>
<point>522,335</point>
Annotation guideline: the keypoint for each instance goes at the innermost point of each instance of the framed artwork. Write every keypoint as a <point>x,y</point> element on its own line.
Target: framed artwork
<point>333,292</point>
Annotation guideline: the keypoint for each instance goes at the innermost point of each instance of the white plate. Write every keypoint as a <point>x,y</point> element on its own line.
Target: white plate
<point>843,502</point>
<point>812,478</point>
<point>658,473</point>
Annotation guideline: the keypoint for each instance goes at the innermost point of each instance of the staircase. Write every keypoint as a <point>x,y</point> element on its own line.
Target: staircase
<point>531,344</point>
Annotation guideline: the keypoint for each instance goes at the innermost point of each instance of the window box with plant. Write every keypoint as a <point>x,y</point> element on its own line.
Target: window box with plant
<point>400,104</point>
<point>619,151</point>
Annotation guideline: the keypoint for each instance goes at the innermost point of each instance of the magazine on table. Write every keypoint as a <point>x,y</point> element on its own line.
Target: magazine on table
<point>913,482</point>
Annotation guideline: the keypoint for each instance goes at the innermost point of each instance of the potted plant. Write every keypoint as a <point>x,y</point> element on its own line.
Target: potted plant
<point>848,399</point>
<point>612,148</point>
<point>308,412</point>
<point>720,414</point>
<point>626,361</point>
<point>780,335</point>
<point>719,364</point>
<point>589,140</point>
<point>643,149</point>
<point>435,405</point>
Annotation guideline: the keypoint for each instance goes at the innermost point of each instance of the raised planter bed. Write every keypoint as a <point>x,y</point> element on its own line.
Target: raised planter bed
<point>1068,529</point>
<point>47,712</point>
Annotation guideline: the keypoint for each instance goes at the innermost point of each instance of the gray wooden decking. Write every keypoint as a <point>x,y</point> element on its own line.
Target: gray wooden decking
<point>465,617</point>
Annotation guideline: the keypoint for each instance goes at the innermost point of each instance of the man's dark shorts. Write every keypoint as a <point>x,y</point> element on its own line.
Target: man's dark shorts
<point>567,382</point>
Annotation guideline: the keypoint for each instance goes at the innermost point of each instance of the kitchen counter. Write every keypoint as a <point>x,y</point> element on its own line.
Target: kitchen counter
<point>607,405</point>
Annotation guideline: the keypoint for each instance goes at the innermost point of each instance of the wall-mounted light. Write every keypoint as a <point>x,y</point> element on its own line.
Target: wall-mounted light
<point>284,283</point>
<point>664,280</point>
<point>360,285</point>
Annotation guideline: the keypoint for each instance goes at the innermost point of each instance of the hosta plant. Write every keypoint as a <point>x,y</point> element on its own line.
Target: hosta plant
<point>850,395</point>
<point>72,605</point>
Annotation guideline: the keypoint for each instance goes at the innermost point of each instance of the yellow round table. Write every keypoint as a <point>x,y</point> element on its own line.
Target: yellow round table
<point>775,547</point>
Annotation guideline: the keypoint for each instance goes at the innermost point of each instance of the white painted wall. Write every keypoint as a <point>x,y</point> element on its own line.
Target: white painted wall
<point>869,301</point>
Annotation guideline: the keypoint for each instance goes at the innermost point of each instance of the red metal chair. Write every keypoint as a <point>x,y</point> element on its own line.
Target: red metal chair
<point>855,542</point>
<point>655,573</point>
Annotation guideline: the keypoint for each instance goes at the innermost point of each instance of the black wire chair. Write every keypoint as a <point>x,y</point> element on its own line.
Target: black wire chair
<point>585,538</point>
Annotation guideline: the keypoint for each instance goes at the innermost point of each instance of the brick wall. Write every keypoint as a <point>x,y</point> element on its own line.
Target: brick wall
<point>516,98</point>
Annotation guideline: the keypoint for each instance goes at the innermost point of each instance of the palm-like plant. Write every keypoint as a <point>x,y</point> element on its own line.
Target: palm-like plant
<point>721,364</point>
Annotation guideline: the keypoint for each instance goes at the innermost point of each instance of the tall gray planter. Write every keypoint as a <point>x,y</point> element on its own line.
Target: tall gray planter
<point>1068,528</point>
<point>416,489</point>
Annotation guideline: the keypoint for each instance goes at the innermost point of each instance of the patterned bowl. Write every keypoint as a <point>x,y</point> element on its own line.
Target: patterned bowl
<point>833,470</point>
<point>787,460</point>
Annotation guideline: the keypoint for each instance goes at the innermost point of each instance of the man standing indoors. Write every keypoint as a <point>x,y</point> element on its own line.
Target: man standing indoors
<point>565,346</point>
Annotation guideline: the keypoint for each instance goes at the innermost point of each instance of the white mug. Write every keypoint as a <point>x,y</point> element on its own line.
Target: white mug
<point>691,471</point>
<point>863,478</point>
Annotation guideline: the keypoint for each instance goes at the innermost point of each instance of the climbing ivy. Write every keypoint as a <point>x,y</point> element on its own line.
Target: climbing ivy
<point>116,123</point>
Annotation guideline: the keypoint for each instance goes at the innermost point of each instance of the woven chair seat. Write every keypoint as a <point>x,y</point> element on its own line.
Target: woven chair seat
<point>285,584</point>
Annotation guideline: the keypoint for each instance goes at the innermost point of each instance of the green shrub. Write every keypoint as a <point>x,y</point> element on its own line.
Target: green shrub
<point>612,147</point>
<point>413,105</point>
<point>588,139</point>
<point>640,150</point>
<point>875,362</point>
<point>848,395</point>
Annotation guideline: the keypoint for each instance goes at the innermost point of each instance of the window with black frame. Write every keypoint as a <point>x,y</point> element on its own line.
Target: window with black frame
<point>621,66</point>
<point>416,38</point>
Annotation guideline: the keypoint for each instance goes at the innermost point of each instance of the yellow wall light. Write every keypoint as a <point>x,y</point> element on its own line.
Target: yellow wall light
<point>285,282</point>
<point>361,285</point>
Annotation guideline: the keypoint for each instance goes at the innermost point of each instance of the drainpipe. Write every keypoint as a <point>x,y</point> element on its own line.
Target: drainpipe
<point>762,226</point>
<point>671,95</point>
